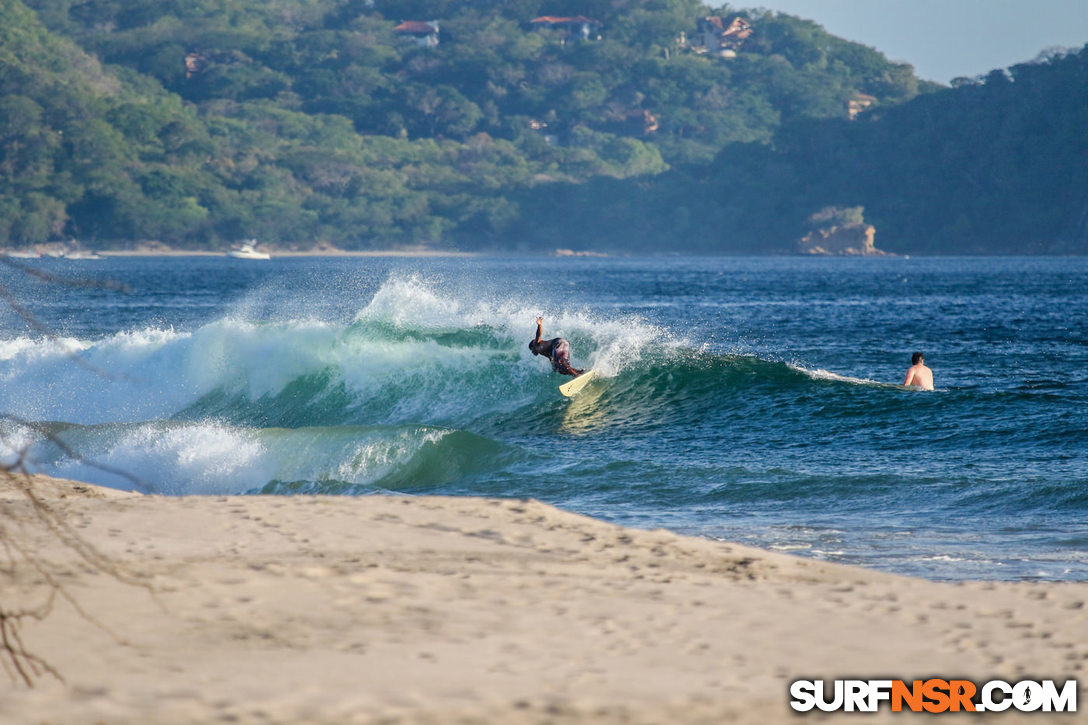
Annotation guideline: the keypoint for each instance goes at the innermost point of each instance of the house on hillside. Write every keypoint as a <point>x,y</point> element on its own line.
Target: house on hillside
<point>541,127</point>
<point>716,37</point>
<point>640,122</point>
<point>423,34</point>
<point>194,63</point>
<point>577,28</point>
<point>857,104</point>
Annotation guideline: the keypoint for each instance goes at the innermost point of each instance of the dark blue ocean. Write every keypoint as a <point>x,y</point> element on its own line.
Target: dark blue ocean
<point>747,399</point>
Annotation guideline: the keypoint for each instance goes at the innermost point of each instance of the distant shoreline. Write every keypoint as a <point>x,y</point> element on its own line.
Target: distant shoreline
<point>66,252</point>
<point>291,253</point>
<point>422,253</point>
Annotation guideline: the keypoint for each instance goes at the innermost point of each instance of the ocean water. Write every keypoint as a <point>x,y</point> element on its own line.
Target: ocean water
<point>746,399</point>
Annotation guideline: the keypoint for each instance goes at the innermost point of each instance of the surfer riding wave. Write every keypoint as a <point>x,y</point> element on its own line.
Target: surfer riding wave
<point>557,350</point>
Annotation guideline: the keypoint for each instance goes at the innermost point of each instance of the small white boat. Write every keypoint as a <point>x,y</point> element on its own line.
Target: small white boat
<point>248,250</point>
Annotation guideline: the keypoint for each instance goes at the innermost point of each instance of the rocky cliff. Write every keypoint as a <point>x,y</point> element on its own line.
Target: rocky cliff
<point>846,239</point>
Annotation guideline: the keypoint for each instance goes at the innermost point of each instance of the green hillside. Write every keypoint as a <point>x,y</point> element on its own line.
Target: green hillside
<point>199,122</point>
<point>993,165</point>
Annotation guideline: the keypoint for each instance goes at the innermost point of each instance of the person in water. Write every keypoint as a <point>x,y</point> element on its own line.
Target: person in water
<point>919,375</point>
<point>557,350</point>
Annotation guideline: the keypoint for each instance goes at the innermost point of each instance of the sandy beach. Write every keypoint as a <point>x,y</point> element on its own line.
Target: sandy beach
<point>464,610</point>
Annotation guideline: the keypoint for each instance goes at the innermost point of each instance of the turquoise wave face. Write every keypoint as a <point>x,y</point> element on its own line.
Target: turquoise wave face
<point>415,391</point>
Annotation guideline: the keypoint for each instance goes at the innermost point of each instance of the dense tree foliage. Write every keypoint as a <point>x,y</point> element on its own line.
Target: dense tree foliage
<point>993,165</point>
<point>200,122</point>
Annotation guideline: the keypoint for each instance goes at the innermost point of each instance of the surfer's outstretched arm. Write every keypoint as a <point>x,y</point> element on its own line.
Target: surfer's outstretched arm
<point>539,328</point>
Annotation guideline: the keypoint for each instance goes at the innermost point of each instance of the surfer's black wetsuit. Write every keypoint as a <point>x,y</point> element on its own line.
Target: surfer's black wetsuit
<point>559,354</point>
<point>558,351</point>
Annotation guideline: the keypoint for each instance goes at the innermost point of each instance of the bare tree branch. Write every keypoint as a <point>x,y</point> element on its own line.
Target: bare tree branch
<point>19,662</point>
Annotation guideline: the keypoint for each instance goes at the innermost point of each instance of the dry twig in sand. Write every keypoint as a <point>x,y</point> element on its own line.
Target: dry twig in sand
<point>21,664</point>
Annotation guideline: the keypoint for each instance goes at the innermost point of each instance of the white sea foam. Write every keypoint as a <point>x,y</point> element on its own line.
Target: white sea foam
<point>15,440</point>
<point>215,458</point>
<point>790,547</point>
<point>152,374</point>
<point>821,374</point>
<point>25,347</point>
<point>202,458</point>
<point>411,301</point>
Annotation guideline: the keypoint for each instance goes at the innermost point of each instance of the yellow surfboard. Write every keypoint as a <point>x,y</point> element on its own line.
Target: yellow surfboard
<point>570,389</point>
